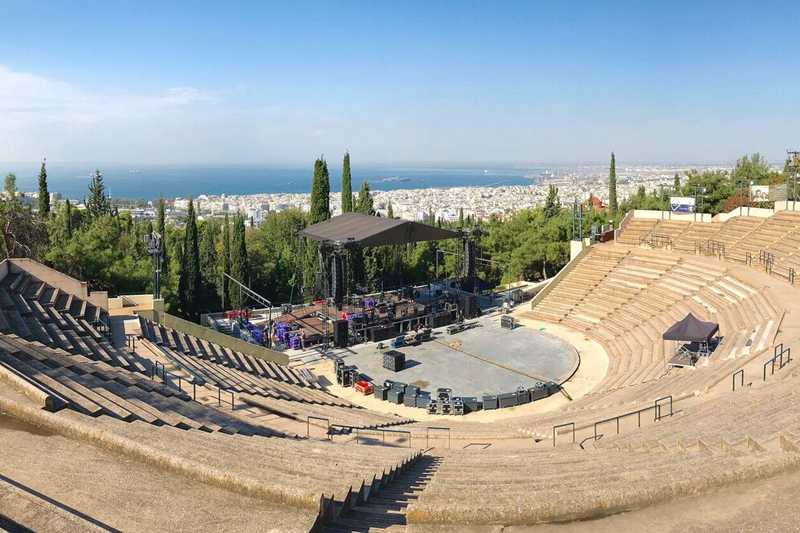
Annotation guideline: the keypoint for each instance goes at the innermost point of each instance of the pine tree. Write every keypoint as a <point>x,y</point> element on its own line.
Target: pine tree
<point>44,194</point>
<point>612,185</point>
<point>677,184</point>
<point>189,283</point>
<point>389,210</point>
<point>226,261</point>
<point>347,185</point>
<point>239,263</point>
<point>365,204</point>
<point>97,204</point>
<point>10,186</point>
<point>68,219</point>
<point>320,193</point>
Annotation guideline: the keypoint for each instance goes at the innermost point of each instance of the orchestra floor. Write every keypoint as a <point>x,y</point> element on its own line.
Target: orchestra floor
<point>485,359</point>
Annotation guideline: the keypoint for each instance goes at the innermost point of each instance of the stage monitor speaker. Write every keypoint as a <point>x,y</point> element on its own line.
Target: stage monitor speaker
<point>340,333</point>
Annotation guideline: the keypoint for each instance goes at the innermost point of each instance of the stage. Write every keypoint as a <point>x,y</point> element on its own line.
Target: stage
<point>481,360</point>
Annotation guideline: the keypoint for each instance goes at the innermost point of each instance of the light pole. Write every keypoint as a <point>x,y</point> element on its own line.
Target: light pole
<point>153,244</point>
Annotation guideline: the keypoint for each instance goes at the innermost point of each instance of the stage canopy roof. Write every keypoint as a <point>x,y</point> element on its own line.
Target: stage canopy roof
<point>366,230</point>
<point>691,329</point>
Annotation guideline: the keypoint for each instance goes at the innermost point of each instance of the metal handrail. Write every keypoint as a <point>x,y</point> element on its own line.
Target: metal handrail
<point>741,373</point>
<point>657,406</point>
<point>563,426</point>
<point>168,378</point>
<point>383,431</point>
<point>436,428</point>
<point>778,353</point>
<point>309,418</point>
<point>219,397</point>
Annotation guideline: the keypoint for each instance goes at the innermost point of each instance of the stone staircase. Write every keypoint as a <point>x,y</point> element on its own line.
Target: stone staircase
<point>386,511</point>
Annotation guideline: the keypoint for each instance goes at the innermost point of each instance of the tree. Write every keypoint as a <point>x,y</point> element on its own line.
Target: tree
<point>390,210</point>
<point>209,264</point>
<point>461,217</point>
<point>676,186</point>
<point>68,219</point>
<point>612,185</point>
<point>24,235</point>
<point>365,204</point>
<point>320,193</point>
<point>239,262</point>
<point>347,185</point>
<point>226,260</point>
<point>753,168</point>
<point>44,194</point>
<point>10,186</point>
<point>97,204</point>
<point>189,283</point>
<point>161,228</point>
<point>552,205</point>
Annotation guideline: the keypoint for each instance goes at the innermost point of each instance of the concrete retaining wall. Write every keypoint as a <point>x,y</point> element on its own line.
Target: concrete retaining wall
<point>669,215</point>
<point>210,335</point>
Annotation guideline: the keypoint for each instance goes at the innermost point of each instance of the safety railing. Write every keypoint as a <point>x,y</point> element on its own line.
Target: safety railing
<point>436,428</point>
<point>170,379</point>
<point>220,400</point>
<point>767,260</point>
<point>657,416</point>
<point>739,373</point>
<point>327,421</point>
<point>778,356</point>
<point>657,405</point>
<point>560,426</point>
<point>359,431</point>
<point>481,445</point>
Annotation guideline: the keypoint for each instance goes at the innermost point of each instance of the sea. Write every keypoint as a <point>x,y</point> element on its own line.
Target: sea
<point>151,182</point>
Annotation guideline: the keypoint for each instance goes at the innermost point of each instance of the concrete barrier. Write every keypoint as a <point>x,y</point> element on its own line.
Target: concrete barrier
<point>210,335</point>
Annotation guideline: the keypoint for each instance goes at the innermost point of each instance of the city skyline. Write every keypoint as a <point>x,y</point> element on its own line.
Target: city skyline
<point>443,84</point>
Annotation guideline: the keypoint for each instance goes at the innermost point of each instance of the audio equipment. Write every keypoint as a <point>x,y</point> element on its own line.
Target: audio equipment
<point>340,333</point>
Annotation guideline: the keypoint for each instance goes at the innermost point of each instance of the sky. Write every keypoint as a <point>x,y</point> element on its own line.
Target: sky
<point>398,83</point>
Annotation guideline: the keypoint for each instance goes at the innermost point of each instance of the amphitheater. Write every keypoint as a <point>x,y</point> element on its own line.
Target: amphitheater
<point>110,423</point>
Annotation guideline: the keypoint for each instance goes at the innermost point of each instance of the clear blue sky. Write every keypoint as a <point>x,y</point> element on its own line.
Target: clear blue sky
<point>397,83</point>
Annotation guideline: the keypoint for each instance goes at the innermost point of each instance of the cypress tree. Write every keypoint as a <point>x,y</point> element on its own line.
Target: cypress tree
<point>677,183</point>
<point>347,185</point>
<point>161,228</point>
<point>461,217</point>
<point>320,193</point>
<point>44,194</point>
<point>239,264</point>
<point>208,264</point>
<point>612,185</point>
<point>68,219</point>
<point>226,261</point>
<point>390,211</point>
<point>189,283</point>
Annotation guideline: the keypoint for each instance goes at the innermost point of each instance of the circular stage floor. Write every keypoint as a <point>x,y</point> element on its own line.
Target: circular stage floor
<point>482,360</point>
